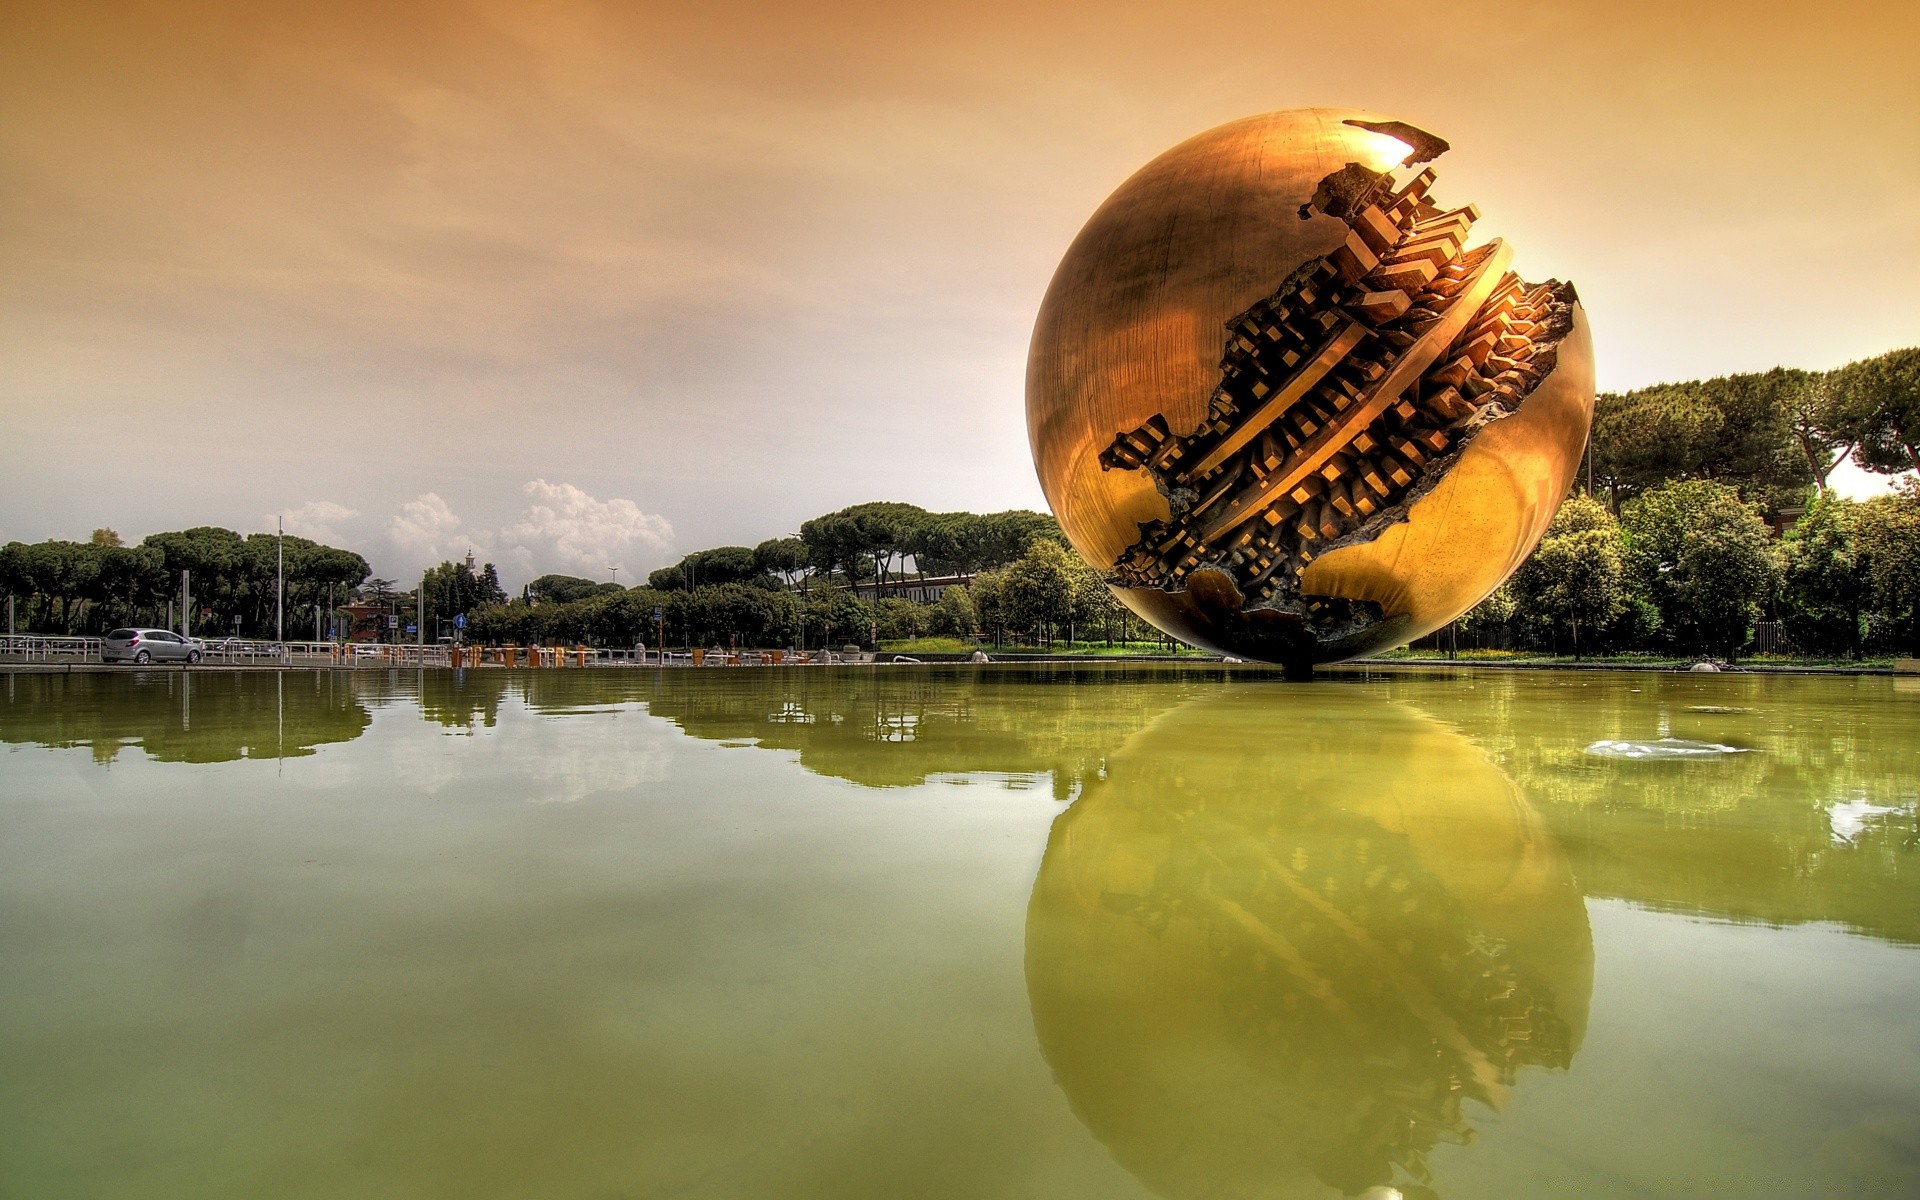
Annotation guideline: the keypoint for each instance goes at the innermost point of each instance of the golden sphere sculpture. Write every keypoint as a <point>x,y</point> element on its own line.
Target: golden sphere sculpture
<point>1290,404</point>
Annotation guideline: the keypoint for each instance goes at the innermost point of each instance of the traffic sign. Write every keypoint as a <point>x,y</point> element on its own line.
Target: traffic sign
<point>413,629</point>
<point>460,620</point>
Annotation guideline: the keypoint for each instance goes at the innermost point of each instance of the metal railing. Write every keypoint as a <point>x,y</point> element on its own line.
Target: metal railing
<point>262,651</point>
<point>236,651</point>
<point>35,647</point>
<point>394,654</point>
<point>583,656</point>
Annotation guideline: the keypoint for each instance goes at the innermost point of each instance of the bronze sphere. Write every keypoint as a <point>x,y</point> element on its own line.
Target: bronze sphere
<point>1286,403</point>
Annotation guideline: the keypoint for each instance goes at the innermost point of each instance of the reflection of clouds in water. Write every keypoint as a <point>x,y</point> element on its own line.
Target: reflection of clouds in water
<point>1848,819</point>
<point>539,756</point>
<point>1665,748</point>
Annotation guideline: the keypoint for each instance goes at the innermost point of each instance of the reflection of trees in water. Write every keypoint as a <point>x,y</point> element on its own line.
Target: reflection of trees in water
<point>464,699</point>
<point>1751,836</point>
<point>1816,822</point>
<point>1273,951</point>
<point>889,728</point>
<point>461,699</point>
<point>183,716</point>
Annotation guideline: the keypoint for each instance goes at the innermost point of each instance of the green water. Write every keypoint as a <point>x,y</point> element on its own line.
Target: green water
<point>918,932</point>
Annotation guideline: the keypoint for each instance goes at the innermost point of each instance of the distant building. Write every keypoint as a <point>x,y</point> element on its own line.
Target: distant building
<point>920,591</point>
<point>1785,519</point>
<point>372,621</point>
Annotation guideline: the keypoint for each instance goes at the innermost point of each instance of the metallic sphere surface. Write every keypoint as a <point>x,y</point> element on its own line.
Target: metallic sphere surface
<point>1293,407</point>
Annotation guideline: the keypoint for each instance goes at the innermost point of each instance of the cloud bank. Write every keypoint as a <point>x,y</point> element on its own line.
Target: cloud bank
<point>561,529</point>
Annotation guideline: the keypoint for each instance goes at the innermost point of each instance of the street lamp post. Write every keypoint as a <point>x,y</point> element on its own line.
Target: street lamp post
<point>280,587</point>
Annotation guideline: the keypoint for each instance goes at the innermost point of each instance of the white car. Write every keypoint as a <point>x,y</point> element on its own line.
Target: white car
<point>144,646</point>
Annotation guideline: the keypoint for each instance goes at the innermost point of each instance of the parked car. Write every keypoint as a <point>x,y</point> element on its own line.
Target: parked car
<point>150,645</point>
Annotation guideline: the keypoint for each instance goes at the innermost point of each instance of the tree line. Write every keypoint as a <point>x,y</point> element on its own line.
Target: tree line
<point>1773,435</point>
<point>1689,567</point>
<point>1669,546</point>
<point>93,586</point>
<point>798,590</point>
<point>867,542</point>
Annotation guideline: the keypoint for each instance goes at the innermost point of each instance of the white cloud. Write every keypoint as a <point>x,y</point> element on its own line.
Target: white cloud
<point>562,529</point>
<point>425,531</point>
<point>566,529</point>
<point>317,519</point>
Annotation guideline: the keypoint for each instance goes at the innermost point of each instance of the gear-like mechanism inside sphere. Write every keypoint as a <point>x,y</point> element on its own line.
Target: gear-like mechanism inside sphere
<point>1344,397</point>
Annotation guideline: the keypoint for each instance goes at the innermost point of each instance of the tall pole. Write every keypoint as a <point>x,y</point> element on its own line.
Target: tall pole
<point>280,585</point>
<point>420,612</point>
<point>186,605</point>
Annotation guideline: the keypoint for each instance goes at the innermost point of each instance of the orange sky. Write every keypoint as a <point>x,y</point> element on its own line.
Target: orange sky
<point>555,277</point>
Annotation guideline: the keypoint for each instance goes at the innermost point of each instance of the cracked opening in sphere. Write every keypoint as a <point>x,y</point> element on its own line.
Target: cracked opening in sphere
<point>1344,397</point>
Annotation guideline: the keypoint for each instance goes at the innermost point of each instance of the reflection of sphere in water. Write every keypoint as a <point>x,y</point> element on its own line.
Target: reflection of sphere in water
<point>1273,974</point>
<point>1292,399</point>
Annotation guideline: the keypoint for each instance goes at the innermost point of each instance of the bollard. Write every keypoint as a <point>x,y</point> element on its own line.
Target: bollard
<point>580,656</point>
<point>699,656</point>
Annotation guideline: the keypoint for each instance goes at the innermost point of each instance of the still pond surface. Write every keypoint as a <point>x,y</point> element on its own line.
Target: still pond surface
<point>1044,932</point>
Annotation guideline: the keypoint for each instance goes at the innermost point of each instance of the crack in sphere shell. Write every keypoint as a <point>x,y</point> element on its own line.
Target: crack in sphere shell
<point>1292,402</point>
